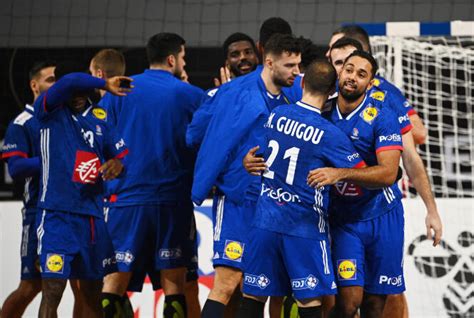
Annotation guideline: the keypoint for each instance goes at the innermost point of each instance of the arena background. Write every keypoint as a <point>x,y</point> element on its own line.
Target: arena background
<point>440,281</point>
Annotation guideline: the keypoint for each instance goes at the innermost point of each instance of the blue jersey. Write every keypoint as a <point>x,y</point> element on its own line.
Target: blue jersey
<point>299,140</point>
<point>73,147</point>
<point>22,140</point>
<point>198,126</point>
<point>384,85</point>
<point>372,127</point>
<point>393,101</point>
<point>153,120</point>
<point>235,127</point>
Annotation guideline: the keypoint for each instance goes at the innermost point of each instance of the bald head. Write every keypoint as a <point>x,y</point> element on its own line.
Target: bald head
<point>319,78</point>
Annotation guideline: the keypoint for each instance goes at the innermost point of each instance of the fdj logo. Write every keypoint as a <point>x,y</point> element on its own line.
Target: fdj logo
<point>457,265</point>
<point>309,282</point>
<point>172,253</point>
<point>261,281</point>
<point>124,257</point>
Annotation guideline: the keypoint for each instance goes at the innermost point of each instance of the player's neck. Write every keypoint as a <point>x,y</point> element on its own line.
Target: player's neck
<point>314,101</point>
<point>161,67</point>
<point>271,87</point>
<point>347,106</point>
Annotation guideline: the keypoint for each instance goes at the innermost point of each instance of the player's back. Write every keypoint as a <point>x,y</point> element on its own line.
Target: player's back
<point>299,140</point>
<point>153,119</point>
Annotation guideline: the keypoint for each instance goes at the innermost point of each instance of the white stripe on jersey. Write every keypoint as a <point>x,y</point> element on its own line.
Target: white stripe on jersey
<point>26,194</point>
<point>322,244</point>
<point>45,160</point>
<point>40,232</point>
<point>219,217</point>
<point>318,207</point>
<point>106,214</point>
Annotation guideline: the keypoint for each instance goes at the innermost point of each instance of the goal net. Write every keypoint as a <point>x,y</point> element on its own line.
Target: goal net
<point>436,74</point>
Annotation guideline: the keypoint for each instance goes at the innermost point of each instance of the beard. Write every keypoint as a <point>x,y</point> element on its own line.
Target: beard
<point>178,72</point>
<point>283,82</point>
<point>350,96</point>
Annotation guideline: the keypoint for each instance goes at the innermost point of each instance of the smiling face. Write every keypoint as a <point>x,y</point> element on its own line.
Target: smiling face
<point>355,78</point>
<point>241,58</point>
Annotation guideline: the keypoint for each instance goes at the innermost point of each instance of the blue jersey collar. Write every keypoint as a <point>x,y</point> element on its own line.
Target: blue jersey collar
<point>308,107</point>
<point>352,113</point>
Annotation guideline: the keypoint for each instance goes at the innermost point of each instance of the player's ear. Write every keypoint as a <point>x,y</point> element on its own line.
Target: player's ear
<point>34,86</point>
<point>302,83</point>
<point>171,60</point>
<point>100,73</point>
<point>371,84</point>
<point>268,60</point>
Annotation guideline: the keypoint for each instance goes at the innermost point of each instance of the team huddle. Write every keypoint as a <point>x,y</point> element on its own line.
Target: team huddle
<point>300,153</point>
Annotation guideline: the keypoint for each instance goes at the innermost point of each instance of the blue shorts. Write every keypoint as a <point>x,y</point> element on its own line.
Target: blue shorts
<point>278,265</point>
<point>30,267</point>
<point>138,277</point>
<point>152,237</point>
<point>231,223</point>
<point>73,246</point>
<point>370,253</point>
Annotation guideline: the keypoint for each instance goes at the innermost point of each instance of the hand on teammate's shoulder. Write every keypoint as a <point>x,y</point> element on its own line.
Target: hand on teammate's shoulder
<point>119,85</point>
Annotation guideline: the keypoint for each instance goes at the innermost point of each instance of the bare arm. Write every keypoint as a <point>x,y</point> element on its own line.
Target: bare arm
<point>382,175</point>
<point>416,172</point>
<point>419,130</point>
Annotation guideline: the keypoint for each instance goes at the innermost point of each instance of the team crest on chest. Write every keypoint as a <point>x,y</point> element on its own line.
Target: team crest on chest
<point>369,113</point>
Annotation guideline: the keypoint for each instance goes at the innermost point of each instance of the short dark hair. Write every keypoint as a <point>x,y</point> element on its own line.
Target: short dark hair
<point>357,32</point>
<point>320,77</point>
<point>162,45</point>
<point>368,57</point>
<point>38,66</point>
<point>237,37</point>
<point>345,41</point>
<point>309,51</point>
<point>272,26</point>
<point>279,43</point>
<point>110,61</point>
